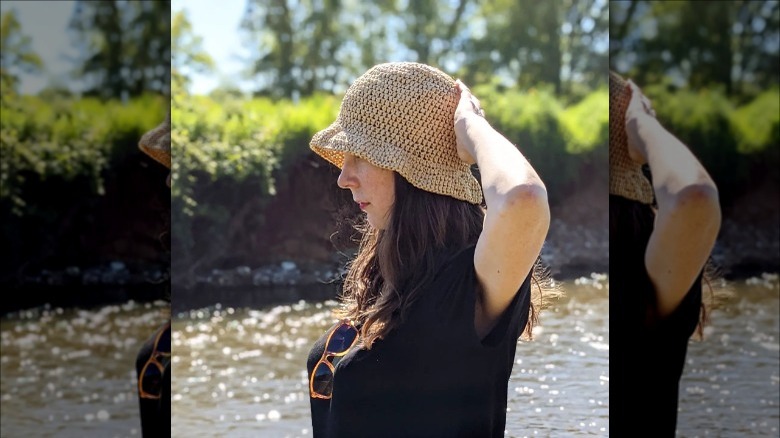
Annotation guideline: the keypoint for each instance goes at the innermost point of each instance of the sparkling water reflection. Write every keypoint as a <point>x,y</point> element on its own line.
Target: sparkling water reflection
<point>71,372</point>
<point>241,372</point>
<point>731,383</point>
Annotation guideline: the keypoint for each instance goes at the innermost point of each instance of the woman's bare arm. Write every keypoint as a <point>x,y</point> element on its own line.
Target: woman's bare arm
<point>688,217</point>
<point>517,218</point>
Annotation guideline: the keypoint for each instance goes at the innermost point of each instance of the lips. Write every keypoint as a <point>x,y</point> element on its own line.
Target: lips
<point>363,205</point>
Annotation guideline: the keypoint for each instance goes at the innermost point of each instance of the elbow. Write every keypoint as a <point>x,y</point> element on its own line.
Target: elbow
<point>701,201</point>
<point>528,202</point>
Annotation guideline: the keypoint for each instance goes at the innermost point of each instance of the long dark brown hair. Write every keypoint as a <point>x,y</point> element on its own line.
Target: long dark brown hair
<point>395,264</point>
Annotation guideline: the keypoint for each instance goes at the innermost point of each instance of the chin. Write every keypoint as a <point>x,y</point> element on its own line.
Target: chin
<point>373,224</point>
<point>377,225</point>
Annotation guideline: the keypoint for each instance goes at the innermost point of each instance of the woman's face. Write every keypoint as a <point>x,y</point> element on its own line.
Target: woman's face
<point>373,188</point>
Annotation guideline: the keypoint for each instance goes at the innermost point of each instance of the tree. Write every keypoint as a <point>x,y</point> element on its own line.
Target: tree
<point>556,42</point>
<point>296,45</point>
<point>304,46</point>
<point>16,56</point>
<point>432,28</point>
<point>697,43</point>
<point>756,40</point>
<point>584,43</point>
<point>150,32</point>
<point>188,54</point>
<point>126,46</point>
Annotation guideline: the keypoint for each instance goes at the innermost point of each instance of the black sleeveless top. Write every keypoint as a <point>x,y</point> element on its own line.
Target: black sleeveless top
<point>431,376</point>
<point>647,353</point>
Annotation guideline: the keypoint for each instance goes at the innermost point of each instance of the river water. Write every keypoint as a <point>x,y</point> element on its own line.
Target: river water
<point>241,371</point>
<point>71,372</point>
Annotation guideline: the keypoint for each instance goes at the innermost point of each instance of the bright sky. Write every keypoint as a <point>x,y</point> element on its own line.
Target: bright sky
<point>217,24</point>
<point>46,23</point>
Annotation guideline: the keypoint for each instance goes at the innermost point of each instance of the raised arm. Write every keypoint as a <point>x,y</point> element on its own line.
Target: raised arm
<point>518,215</point>
<point>688,217</point>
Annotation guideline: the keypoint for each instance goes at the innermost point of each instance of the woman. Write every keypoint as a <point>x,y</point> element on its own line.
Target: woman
<point>439,291</point>
<point>656,262</point>
<point>152,363</point>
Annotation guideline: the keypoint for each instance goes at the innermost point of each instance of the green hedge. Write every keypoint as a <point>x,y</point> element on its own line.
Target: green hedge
<point>564,144</point>
<point>66,141</point>
<point>737,145</point>
<point>228,154</point>
<point>233,151</point>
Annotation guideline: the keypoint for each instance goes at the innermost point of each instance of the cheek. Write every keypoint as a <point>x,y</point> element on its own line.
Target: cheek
<point>388,190</point>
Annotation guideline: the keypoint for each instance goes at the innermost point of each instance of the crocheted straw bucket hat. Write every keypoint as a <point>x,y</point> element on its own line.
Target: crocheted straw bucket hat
<point>625,175</point>
<point>157,142</point>
<point>400,116</point>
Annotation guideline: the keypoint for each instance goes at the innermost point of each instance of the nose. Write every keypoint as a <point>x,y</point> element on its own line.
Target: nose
<point>346,178</point>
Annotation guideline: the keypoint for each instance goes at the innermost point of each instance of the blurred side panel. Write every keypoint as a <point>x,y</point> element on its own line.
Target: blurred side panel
<point>84,214</point>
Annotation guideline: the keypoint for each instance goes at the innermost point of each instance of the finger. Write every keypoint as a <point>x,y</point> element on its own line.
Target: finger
<point>637,98</point>
<point>632,88</point>
<point>463,86</point>
<point>459,85</point>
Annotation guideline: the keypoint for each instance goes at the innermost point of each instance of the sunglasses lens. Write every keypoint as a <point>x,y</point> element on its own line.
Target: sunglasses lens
<point>164,343</point>
<point>151,380</point>
<point>322,380</point>
<point>342,339</point>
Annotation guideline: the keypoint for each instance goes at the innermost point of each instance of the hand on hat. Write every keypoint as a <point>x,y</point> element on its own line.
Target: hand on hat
<point>638,108</point>
<point>468,106</point>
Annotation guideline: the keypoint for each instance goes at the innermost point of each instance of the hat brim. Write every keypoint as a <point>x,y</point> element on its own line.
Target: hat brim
<point>157,143</point>
<point>334,141</point>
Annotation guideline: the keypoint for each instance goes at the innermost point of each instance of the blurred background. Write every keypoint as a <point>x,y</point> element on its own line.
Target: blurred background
<point>711,70</point>
<point>84,214</point>
<point>81,83</point>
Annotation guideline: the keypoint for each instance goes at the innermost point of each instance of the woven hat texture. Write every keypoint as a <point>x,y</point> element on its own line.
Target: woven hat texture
<point>625,175</point>
<point>400,116</point>
<point>157,142</point>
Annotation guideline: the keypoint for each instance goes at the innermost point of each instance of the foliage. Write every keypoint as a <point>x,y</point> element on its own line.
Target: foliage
<point>586,124</point>
<point>188,55</point>
<point>560,142</point>
<point>126,46</point>
<point>234,152</point>
<point>735,144</point>
<point>229,154</point>
<point>699,43</point>
<point>301,47</point>
<point>67,142</point>
<point>755,132</point>
<point>16,55</point>
<point>532,42</point>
